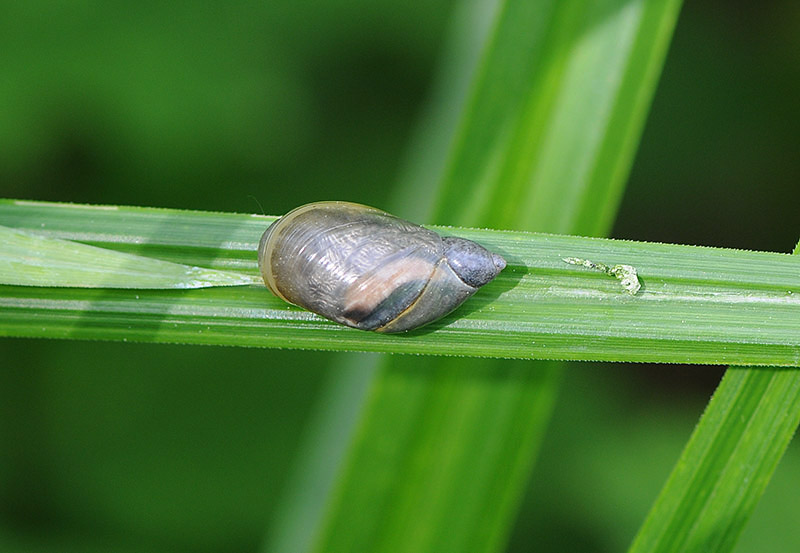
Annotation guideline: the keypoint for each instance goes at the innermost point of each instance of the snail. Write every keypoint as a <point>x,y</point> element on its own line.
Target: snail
<point>367,269</point>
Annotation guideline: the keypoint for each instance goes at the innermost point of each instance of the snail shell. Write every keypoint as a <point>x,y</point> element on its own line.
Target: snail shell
<point>370,270</point>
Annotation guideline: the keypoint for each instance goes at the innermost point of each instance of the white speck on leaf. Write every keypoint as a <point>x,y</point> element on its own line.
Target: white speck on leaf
<point>626,274</point>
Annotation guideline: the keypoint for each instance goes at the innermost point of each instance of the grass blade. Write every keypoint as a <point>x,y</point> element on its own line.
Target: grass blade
<point>30,260</point>
<point>725,467</point>
<point>702,305</point>
<point>444,448</point>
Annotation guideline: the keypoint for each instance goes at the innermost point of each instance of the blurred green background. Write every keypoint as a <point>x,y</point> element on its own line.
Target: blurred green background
<point>247,106</point>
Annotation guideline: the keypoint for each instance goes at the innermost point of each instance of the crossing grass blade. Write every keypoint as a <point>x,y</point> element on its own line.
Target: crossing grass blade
<point>443,449</point>
<point>727,464</point>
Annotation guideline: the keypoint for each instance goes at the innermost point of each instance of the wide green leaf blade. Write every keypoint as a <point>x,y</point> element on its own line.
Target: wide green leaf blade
<point>444,448</point>
<point>556,116</point>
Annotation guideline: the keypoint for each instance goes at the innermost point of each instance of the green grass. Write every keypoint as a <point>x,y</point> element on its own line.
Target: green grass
<point>697,305</point>
<point>433,453</point>
<point>439,457</point>
<point>727,463</point>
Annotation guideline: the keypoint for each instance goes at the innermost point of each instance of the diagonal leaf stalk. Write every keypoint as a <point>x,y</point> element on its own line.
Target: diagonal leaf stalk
<point>725,467</point>
<point>444,447</point>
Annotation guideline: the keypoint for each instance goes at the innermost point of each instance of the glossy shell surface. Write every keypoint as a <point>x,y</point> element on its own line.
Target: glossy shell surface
<point>370,270</point>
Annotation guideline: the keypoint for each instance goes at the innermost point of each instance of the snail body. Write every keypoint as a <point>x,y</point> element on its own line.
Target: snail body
<point>367,269</point>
